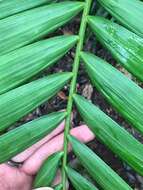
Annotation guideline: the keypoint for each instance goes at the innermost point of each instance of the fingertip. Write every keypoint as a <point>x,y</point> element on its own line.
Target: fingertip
<point>82,133</point>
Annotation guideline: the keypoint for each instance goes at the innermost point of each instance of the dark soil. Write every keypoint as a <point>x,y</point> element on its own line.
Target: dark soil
<point>85,88</point>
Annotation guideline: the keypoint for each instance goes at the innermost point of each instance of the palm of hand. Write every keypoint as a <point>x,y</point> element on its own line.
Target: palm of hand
<point>14,179</point>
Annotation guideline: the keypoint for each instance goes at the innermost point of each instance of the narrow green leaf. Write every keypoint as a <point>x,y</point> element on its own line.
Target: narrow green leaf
<point>128,12</point>
<point>98,169</point>
<point>48,171</point>
<point>124,45</point>
<point>10,7</point>
<point>31,59</point>
<point>18,102</point>
<point>79,182</point>
<point>28,26</point>
<point>111,134</point>
<point>17,140</point>
<point>125,95</point>
<point>58,187</point>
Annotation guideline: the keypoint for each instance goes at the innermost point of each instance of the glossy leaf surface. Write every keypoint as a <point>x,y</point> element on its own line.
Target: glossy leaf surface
<point>18,66</point>
<point>124,45</point>
<point>10,7</point>
<point>98,169</point>
<point>79,182</point>
<point>58,187</point>
<point>17,140</point>
<point>18,102</point>
<point>111,134</point>
<point>128,12</point>
<point>26,27</point>
<point>47,172</point>
<point>125,95</point>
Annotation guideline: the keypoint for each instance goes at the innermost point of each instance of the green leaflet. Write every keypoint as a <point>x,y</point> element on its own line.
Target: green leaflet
<point>28,26</point>
<point>121,92</point>
<point>48,171</point>
<point>10,7</point>
<point>58,187</point>
<point>28,134</point>
<point>98,169</point>
<point>31,59</point>
<point>124,45</point>
<point>111,134</point>
<point>128,12</point>
<point>20,101</point>
<point>79,182</point>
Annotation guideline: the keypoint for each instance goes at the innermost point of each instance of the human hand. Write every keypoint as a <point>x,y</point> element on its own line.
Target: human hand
<point>12,178</point>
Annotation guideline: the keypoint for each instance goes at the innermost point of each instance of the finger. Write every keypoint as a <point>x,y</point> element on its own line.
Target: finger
<point>32,165</point>
<point>58,178</point>
<point>28,152</point>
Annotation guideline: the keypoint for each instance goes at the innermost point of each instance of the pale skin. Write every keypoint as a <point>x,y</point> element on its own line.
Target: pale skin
<point>12,178</point>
